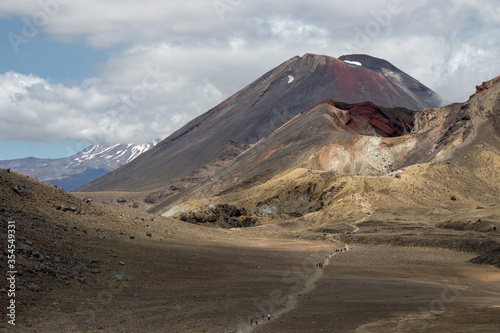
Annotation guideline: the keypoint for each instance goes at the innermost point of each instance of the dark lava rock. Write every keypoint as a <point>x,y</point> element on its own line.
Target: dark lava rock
<point>38,255</point>
<point>24,248</point>
<point>39,267</point>
<point>491,257</point>
<point>71,209</point>
<point>21,190</point>
<point>33,287</point>
<point>66,209</point>
<point>233,222</point>
<point>119,276</point>
<point>453,198</point>
<point>249,222</point>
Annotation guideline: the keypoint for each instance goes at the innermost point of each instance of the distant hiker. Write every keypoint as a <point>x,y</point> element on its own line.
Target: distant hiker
<point>262,315</point>
<point>256,322</point>
<point>269,317</point>
<point>251,322</point>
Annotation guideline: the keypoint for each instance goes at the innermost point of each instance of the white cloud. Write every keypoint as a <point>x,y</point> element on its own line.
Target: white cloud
<point>33,109</point>
<point>290,28</point>
<point>104,24</point>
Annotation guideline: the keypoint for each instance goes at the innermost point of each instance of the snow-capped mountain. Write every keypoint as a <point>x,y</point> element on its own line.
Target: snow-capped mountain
<point>111,155</point>
<point>81,168</point>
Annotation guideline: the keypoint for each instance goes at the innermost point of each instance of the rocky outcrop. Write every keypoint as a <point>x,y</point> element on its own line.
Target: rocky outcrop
<point>224,215</point>
<point>487,85</point>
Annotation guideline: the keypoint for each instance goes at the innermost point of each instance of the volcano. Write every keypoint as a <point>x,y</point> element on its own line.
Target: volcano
<point>192,153</point>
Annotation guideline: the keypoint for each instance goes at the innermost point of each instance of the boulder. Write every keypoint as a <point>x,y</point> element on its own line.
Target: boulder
<point>33,287</point>
<point>21,190</point>
<point>119,276</point>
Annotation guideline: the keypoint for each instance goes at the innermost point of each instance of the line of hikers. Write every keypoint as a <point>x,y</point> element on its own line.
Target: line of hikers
<point>257,321</point>
<point>319,265</point>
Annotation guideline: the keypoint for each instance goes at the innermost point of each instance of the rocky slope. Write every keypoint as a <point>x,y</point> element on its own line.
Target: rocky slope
<point>83,266</point>
<point>318,174</point>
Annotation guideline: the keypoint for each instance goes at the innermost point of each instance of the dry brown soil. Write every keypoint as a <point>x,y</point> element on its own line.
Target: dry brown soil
<point>190,278</point>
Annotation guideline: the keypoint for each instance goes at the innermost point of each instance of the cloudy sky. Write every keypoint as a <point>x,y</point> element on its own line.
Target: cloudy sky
<point>75,73</point>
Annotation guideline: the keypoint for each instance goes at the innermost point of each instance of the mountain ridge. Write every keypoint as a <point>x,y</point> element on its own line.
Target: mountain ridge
<point>74,171</point>
<point>253,113</point>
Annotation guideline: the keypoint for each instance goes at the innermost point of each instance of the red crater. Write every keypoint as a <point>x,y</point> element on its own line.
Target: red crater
<point>369,119</point>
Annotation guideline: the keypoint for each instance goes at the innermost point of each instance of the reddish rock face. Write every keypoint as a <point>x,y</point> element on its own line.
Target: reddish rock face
<point>487,85</point>
<point>386,122</point>
<point>369,119</point>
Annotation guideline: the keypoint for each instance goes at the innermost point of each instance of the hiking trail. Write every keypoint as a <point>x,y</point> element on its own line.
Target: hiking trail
<point>291,302</point>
